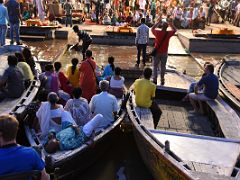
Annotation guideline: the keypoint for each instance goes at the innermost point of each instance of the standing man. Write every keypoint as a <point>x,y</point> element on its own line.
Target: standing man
<point>13,8</point>
<point>68,12</point>
<point>3,23</point>
<point>144,91</point>
<point>13,157</point>
<point>141,41</point>
<point>162,38</point>
<point>85,37</point>
<point>210,84</point>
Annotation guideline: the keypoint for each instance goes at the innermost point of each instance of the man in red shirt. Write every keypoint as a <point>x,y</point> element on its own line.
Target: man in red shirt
<point>162,38</point>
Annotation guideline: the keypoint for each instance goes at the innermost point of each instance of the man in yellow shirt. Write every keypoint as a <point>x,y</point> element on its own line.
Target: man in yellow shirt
<point>144,94</point>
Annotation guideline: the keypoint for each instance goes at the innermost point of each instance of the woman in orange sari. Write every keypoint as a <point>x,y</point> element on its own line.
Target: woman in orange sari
<point>87,80</point>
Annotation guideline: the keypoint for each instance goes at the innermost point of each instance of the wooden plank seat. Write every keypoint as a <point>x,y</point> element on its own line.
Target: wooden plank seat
<point>227,120</point>
<point>32,37</point>
<point>34,175</point>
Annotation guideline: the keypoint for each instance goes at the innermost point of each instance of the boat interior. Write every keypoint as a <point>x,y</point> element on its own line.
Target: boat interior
<point>197,141</point>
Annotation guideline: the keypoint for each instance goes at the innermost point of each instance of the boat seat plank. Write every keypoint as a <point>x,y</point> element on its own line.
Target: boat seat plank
<point>145,117</point>
<point>227,121</point>
<point>232,78</point>
<point>206,155</point>
<point>234,90</point>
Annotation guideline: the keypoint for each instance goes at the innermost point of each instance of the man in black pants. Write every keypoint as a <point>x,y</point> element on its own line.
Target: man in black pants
<point>85,37</point>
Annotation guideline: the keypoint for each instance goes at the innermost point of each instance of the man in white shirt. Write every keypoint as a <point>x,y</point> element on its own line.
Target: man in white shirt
<point>105,104</point>
<point>141,41</point>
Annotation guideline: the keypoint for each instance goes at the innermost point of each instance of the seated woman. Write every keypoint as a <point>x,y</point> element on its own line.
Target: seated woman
<point>50,115</point>
<point>25,69</point>
<point>26,14</point>
<point>73,73</point>
<point>72,136</point>
<point>64,82</point>
<point>78,107</point>
<point>30,59</point>
<point>49,79</point>
<point>117,86</point>
<point>109,69</point>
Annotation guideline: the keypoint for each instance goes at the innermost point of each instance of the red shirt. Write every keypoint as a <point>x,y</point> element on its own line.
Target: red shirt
<point>159,35</point>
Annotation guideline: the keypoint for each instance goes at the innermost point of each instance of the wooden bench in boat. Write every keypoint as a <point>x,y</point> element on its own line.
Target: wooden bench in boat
<point>228,120</point>
<point>34,175</point>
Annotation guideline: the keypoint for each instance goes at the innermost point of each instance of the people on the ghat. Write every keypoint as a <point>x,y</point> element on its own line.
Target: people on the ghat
<point>68,12</point>
<point>85,38</point>
<point>49,79</point>
<point>78,107</point>
<point>3,23</point>
<point>161,44</point>
<point>144,91</point>
<point>73,73</point>
<point>116,83</point>
<point>63,80</point>
<point>109,68</point>
<point>13,8</point>
<point>210,92</point>
<point>26,14</point>
<point>105,104</point>
<point>25,69</point>
<point>15,158</point>
<point>141,41</point>
<point>72,136</point>
<point>87,78</point>
<point>12,80</point>
<point>51,115</point>
<point>29,58</point>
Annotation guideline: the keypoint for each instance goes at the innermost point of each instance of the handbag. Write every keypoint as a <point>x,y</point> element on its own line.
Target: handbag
<point>154,51</point>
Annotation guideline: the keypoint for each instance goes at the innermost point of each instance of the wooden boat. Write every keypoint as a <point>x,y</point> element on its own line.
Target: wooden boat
<point>17,106</point>
<point>65,164</point>
<point>187,145</point>
<point>229,77</point>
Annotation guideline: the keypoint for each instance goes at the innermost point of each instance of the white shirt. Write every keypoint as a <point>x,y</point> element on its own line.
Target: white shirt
<point>117,83</point>
<point>142,35</point>
<point>105,104</point>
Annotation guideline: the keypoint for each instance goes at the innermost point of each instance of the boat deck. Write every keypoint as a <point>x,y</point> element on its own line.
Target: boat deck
<point>177,117</point>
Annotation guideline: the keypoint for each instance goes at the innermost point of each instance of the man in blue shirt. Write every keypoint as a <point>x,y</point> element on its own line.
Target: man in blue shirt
<point>14,19</point>
<point>210,84</point>
<point>13,157</point>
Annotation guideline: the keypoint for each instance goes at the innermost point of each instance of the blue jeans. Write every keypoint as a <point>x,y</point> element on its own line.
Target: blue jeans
<point>3,30</point>
<point>14,28</point>
<point>68,21</point>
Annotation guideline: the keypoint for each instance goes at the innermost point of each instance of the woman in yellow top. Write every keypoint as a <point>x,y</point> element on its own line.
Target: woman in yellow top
<point>73,73</point>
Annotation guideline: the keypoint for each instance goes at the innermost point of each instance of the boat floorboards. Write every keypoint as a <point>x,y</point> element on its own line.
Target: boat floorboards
<point>203,155</point>
<point>176,117</point>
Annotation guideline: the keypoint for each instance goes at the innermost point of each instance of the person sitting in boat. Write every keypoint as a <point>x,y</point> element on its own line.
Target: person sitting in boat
<point>78,107</point>
<point>144,91</point>
<point>72,136</point>
<point>49,79</point>
<point>13,157</point>
<point>30,59</point>
<point>12,80</point>
<point>105,104</point>
<point>63,80</point>
<point>193,84</point>
<point>25,69</point>
<point>73,73</point>
<point>210,83</point>
<point>50,115</point>
<point>117,87</point>
<point>109,69</point>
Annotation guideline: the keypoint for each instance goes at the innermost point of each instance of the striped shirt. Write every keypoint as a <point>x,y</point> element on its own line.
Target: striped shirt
<point>84,36</point>
<point>142,35</point>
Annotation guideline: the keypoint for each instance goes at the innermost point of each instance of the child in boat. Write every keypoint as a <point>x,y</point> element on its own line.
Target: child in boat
<point>72,136</point>
<point>109,69</point>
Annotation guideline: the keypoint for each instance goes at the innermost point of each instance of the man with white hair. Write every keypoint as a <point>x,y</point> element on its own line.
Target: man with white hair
<point>105,104</point>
